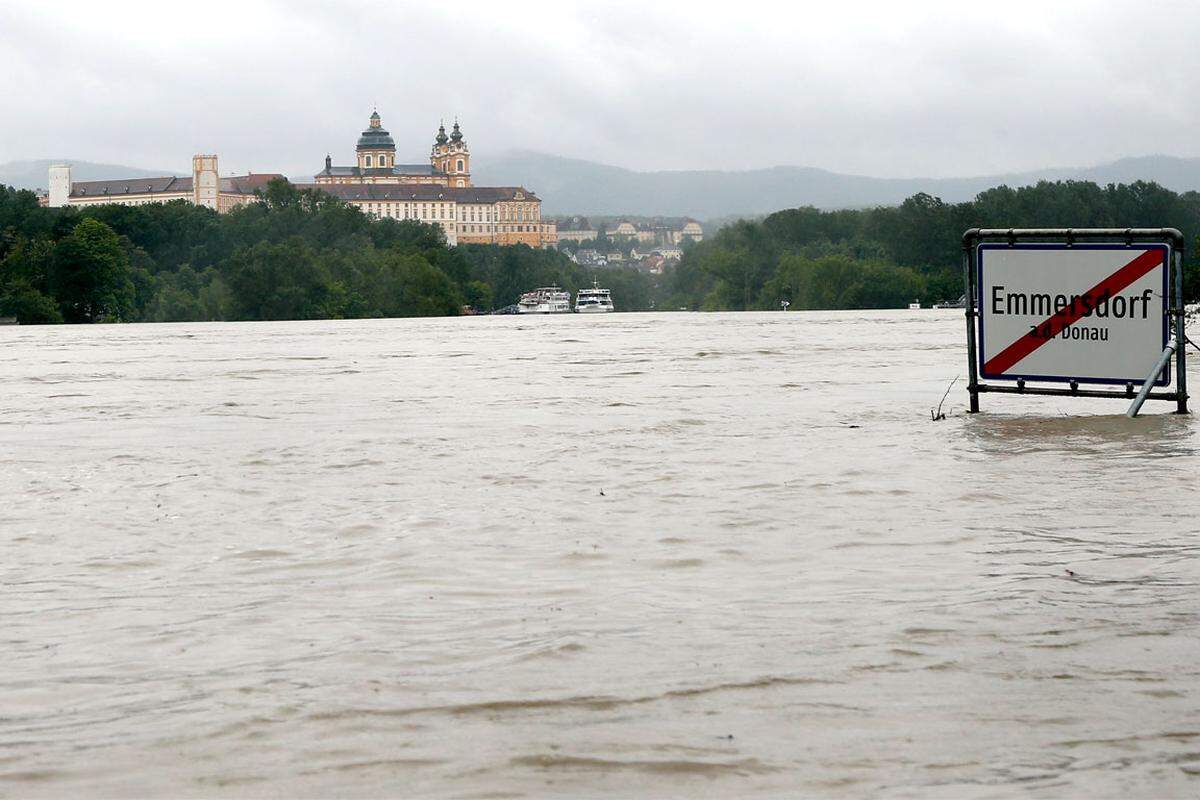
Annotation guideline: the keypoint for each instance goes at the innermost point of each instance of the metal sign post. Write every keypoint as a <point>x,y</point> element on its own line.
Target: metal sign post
<point>1075,306</point>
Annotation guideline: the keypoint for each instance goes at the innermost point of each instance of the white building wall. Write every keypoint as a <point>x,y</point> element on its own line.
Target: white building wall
<point>60,185</point>
<point>130,200</point>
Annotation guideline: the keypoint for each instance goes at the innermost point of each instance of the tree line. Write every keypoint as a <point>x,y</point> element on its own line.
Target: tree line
<point>302,254</point>
<point>887,257</point>
<point>294,254</point>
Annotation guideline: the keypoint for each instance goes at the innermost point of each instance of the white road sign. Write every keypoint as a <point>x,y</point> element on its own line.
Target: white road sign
<point>1095,313</point>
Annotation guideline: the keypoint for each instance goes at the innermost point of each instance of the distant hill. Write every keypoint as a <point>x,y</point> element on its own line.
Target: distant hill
<point>34,174</point>
<point>573,186</point>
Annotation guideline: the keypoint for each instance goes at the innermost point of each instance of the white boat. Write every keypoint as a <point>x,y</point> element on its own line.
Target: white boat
<point>914,305</point>
<point>545,300</point>
<point>594,300</point>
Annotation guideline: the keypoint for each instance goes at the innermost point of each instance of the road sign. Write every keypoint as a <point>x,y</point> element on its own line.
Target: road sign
<point>1075,305</point>
<point>1072,312</point>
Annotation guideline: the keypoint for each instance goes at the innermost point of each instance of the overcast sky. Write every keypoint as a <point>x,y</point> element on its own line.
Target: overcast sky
<point>888,89</point>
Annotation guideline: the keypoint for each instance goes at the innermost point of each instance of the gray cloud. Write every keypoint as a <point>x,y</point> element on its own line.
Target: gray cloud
<point>872,88</point>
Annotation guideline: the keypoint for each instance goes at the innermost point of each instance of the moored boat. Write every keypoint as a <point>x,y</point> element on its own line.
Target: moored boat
<point>545,300</point>
<point>959,303</point>
<point>594,300</point>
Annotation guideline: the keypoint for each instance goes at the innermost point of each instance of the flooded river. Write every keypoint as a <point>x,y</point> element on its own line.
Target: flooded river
<point>687,555</point>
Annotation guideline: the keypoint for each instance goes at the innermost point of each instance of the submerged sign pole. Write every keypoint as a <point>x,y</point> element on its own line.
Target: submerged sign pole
<point>1136,405</point>
<point>1082,307</point>
<point>972,370</point>
<point>1180,336</point>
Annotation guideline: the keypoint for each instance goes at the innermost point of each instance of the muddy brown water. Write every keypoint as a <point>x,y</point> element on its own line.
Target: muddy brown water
<point>637,555</point>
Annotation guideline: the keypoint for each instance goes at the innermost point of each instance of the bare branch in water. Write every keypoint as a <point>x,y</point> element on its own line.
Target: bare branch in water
<point>938,415</point>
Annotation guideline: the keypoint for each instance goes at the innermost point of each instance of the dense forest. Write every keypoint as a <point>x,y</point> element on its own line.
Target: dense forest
<point>887,257</point>
<point>296,254</point>
<point>300,254</point>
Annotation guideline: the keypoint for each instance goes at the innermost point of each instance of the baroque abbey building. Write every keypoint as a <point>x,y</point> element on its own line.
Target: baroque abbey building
<point>439,192</point>
<point>449,161</point>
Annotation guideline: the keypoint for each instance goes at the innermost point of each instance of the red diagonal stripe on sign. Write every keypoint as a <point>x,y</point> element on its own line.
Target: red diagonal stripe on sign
<point>1007,358</point>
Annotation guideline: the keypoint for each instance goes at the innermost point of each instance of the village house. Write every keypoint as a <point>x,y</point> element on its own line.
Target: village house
<point>666,231</point>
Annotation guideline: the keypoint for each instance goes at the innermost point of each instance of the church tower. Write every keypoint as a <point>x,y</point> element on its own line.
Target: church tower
<point>458,160</point>
<point>376,149</point>
<point>441,149</point>
<point>206,182</point>
<point>451,157</point>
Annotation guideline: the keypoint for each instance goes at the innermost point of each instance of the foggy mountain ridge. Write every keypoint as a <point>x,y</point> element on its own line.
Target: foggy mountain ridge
<point>574,186</point>
<point>34,173</point>
<point>578,186</point>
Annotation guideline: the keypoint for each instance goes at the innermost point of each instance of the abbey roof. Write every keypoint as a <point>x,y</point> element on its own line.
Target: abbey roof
<point>399,169</point>
<point>402,192</point>
<point>237,184</point>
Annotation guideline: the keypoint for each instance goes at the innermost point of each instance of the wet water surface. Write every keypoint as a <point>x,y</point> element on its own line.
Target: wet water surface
<point>638,555</point>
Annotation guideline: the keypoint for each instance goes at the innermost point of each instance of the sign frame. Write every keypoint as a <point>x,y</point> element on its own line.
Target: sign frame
<point>977,241</point>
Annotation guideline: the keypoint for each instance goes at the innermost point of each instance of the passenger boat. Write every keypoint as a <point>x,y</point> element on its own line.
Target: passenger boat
<point>545,300</point>
<point>915,305</point>
<point>594,300</point>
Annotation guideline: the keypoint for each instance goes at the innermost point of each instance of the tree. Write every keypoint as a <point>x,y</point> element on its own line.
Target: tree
<point>90,275</point>
<point>277,281</point>
<point>28,305</point>
<point>478,295</point>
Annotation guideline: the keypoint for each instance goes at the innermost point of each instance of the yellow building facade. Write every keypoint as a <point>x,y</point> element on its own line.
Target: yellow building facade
<point>440,192</point>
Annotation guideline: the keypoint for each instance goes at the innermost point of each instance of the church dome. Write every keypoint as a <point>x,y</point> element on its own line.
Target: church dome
<point>456,135</point>
<point>375,137</point>
<point>441,135</point>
